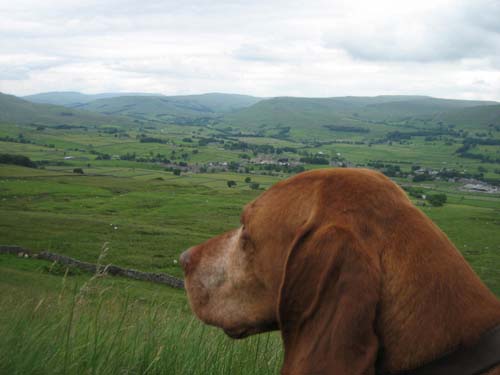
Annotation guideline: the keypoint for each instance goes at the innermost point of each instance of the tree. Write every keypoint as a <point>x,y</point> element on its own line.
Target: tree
<point>437,200</point>
<point>177,172</point>
<point>254,185</point>
<point>423,177</point>
<point>78,170</point>
<point>248,180</point>
<point>231,183</point>
<point>415,192</point>
<point>17,160</point>
<point>233,166</point>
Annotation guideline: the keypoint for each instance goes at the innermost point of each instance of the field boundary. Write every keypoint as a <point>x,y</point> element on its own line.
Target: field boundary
<point>111,269</point>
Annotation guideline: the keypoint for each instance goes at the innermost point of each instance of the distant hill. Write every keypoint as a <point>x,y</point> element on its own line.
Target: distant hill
<point>19,111</point>
<point>259,115</point>
<point>418,107</point>
<point>221,103</point>
<point>479,116</point>
<point>307,112</point>
<point>171,109</point>
<point>74,99</point>
<point>289,111</point>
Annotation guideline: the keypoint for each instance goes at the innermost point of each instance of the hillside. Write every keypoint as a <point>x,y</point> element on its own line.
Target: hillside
<point>74,99</point>
<point>156,109</point>
<point>18,111</point>
<point>348,111</point>
<point>149,107</point>
<point>477,117</point>
<point>197,109</point>
<point>420,107</point>
<point>221,103</point>
<point>280,116</point>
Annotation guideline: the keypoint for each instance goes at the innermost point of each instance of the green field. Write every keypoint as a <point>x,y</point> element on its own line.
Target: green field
<point>149,190</point>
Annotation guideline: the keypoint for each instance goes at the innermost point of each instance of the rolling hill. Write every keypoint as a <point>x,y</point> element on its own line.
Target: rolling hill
<point>378,114</point>
<point>149,107</point>
<point>74,99</point>
<point>18,111</point>
<point>171,109</point>
<point>475,117</point>
<point>314,112</point>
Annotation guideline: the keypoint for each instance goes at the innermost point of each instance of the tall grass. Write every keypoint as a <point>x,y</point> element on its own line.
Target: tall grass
<point>89,329</point>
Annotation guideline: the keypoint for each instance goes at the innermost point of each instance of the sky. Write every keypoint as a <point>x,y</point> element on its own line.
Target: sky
<point>314,48</point>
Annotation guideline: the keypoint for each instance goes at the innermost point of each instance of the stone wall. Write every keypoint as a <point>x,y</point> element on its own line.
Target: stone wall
<point>110,269</point>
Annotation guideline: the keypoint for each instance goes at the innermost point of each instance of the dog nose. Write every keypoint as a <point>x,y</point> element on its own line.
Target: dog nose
<point>184,259</point>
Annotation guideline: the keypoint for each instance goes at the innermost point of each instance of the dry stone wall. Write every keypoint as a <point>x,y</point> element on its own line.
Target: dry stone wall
<point>110,269</point>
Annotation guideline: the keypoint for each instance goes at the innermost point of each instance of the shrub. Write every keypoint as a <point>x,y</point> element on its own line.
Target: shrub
<point>103,157</point>
<point>231,183</point>
<point>437,200</point>
<point>423,177</point>
<point>314,160</point>
<point>415,192</point>
<point>78,170</point>
<point>233,166</point>
<point>254,185</point>
<point>17,160</point>
<point>248,180</point>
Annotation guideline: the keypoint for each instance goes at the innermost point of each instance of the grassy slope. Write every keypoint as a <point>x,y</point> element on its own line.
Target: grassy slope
<point>313,112</point>
<point>169,108</point>
<point>18,111</point>
<point>160,108</point>
<point>73,99</point>
<point>216,102</point>
<point>481,116</point>
<point>418,107</point>
<point>219,102</point>
<point>156,219</point>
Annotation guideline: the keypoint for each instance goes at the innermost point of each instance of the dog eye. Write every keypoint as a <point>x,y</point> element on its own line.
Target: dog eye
<point>245,238</point>
<point>244,235</point>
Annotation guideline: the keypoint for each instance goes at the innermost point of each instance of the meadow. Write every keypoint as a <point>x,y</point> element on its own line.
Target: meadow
<point>63,323</point>
<point>138,212</point>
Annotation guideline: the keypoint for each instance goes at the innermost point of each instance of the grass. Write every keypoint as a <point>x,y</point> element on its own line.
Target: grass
<point>82,325</point>
<point>149,217</point>
<point>147,222</point>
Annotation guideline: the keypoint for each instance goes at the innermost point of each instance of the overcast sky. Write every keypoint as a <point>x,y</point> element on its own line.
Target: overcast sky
<point>442,48</point>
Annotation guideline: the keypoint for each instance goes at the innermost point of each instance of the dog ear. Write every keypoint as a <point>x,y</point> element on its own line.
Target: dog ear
<point>328,303</point>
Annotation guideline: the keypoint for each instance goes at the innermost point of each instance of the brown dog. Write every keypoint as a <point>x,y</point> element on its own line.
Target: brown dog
<point>356,278</point>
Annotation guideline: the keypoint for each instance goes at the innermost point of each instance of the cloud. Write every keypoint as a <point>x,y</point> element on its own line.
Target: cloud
<point>250,52</point>
<point>443,32</point>
<point>446,48</point>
